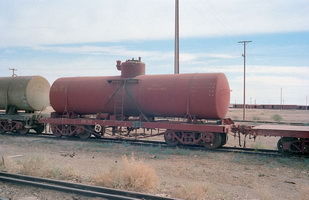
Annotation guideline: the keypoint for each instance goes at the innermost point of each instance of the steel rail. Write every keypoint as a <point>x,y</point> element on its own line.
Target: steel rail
<point>85,190</point>
<point>251,151</point>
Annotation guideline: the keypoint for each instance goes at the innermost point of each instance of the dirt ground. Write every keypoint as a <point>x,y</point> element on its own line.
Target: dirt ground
<point>182,173</point>
<point>289,116</point>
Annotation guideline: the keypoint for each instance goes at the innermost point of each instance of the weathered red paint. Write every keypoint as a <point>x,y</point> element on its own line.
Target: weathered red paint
<point>201,95</point>
<point>282,131</point>
<point>131,68</point>
<point>148,125</point>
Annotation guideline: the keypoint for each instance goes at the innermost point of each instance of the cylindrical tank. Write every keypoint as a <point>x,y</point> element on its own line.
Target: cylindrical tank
<point>202,95</point>
<point>24,92</point>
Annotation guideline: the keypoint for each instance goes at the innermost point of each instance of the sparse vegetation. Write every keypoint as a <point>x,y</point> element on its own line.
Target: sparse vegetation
<point>131,175</point>
<point>40,167</point>
<point>258,145</point>
<point>256,118</point>
<point>2,163</point>
<point>182,174</point>
<point>192,191</point>
<point>277,118</point>
<point>235,117</point>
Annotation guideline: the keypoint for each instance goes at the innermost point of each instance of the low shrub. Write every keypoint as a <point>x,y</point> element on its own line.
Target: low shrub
<point>258,145</point>
<point>256,118</point>
<point>277,118</point>
<point>40,167</point>
<point>192,191</point>
<point>131,175</point>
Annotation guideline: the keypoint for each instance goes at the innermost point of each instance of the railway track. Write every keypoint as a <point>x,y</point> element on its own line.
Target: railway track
<point>240,150</point>
<point>79,189</point>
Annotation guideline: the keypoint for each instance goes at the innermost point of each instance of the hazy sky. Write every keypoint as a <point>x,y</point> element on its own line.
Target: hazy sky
<point>85,38</point>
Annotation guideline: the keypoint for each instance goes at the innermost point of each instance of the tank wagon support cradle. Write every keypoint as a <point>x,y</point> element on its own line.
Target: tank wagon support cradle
<point>211,135</point>
<point>294,139</point>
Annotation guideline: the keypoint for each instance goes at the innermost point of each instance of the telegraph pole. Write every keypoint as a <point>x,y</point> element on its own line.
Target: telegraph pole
<point>244,55</point>
<point>13,69</point>
<point>281,99</point>
<point>176,56</point>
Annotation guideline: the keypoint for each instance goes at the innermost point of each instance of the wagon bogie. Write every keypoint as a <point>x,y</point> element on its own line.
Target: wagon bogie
<point>290,145</point>
<point>207,139</point>
<point>39,128</point>
<point>20,126</point>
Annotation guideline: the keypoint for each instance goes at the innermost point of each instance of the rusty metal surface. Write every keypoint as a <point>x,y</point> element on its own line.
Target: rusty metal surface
<point>193,96</point>
<point>150,125</point>
<point>83,95</point>
<point>282,130</point>
<point>197,95</point>
<point>131,68</point>
<point>282,127</point>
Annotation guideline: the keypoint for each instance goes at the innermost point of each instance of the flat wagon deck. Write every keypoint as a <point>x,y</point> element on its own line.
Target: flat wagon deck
<point>294,139</point>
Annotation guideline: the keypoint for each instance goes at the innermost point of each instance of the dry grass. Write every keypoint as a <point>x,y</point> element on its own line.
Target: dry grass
<point>40,167</point>
<point>131,175</point>
<point>192,191</point>
<point>2,163</point>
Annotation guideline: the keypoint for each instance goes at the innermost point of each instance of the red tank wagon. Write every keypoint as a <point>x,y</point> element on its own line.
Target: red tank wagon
<point>203,96</point>
<point>90,105</point>
<point>185,108</point>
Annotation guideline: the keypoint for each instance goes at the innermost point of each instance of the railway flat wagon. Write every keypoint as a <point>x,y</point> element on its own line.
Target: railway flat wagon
<point>292,139</point>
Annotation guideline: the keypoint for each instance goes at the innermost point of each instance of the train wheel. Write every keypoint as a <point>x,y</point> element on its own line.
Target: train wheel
<point>170,139</point>
<point>40,129</point>
<point>23,131</point>
<point>280,145</point>
<point>292,143</point>
<point>224,138</point>
<point>217,141</point>
<point>86,134</point>
<point>56,132</point>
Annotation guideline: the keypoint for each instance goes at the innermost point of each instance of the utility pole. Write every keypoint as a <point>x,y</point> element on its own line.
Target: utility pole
<point>306,103</point>
<point>281,99</point>
<point>176,56</point>
<point>244,55</point>
<point>13,69</point>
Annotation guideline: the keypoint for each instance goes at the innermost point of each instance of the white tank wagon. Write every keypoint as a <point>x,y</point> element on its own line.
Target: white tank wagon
<point>22,99</point>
